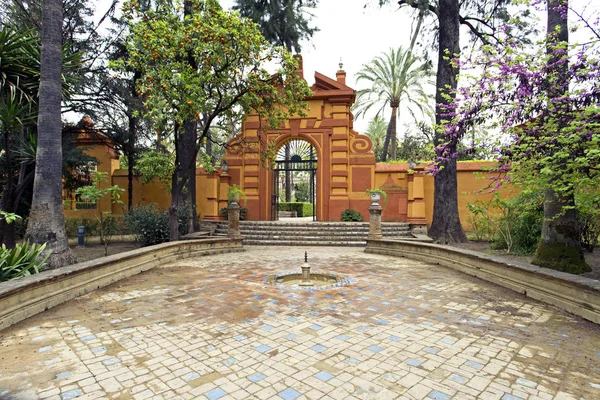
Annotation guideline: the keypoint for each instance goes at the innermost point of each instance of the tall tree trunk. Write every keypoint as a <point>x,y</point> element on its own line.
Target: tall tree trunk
<point>130,145</point>
<point>560,247</point>
<point>391,131</point>
<point>187,147</point>
<point>394,141</point>
<point>446,227</point>
<point>46,219</point>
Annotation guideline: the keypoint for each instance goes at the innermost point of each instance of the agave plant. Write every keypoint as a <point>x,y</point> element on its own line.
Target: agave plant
<point>23,260</point>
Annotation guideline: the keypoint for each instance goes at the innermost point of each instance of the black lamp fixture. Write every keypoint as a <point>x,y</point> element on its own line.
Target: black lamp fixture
<point>224,167</point>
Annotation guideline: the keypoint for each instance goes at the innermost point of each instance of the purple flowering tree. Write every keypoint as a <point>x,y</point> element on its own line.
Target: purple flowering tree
<point>548,100</point>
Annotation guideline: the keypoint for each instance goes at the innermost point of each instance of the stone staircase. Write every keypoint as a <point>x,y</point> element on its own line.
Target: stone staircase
<point>270,233</point>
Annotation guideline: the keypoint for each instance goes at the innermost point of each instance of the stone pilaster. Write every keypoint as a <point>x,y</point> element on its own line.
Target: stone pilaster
<point>375,222</point>
<point>233,211</point>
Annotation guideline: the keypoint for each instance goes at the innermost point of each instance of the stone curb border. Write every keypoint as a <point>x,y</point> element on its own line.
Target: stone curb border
<point>573,293</point>
<point>25,297</point>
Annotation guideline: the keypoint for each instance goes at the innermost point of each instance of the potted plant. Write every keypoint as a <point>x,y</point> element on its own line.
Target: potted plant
<point>234,194</point>
<point>376,195</point>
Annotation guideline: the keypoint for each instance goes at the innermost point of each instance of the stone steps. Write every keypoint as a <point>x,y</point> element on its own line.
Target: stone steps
<point>268,233</point>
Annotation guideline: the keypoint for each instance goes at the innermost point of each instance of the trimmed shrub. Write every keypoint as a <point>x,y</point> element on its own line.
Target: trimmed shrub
<point>149,225</point>
<point>349,215</point>
<point>302,209</point>
<point>25,259</point>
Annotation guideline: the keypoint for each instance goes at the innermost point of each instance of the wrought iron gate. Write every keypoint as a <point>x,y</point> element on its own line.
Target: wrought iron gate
<point>302,159</point>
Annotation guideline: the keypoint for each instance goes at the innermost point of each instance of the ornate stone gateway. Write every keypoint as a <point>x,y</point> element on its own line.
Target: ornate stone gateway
<point>345,164</point>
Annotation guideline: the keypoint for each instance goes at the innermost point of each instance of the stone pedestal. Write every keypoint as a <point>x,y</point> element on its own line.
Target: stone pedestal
<point>233,215</point>
<point>375,222</point>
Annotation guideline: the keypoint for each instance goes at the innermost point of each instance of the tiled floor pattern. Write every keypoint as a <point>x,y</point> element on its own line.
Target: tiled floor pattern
<point>210,329</point>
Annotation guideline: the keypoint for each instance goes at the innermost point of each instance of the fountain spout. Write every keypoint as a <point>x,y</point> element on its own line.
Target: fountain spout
<point>306,281</point>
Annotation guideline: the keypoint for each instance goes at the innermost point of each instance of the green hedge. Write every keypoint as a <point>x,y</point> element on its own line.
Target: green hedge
<point>302,209</point>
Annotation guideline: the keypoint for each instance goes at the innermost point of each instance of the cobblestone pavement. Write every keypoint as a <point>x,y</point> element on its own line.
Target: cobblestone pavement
<point>210,328</point>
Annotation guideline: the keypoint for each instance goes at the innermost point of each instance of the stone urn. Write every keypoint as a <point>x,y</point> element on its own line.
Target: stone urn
<point>375,197</point>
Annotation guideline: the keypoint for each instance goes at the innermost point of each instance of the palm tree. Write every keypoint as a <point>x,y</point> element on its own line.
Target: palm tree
<point>46,219</point>
<point>376,131</point>
<point>395,77</point>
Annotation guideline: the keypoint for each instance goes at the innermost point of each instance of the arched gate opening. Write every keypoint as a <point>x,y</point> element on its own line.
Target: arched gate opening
<point>294,176</point>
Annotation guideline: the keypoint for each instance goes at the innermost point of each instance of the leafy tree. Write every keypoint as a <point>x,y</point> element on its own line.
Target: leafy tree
<point>282,22</point>
<point>19,79</point>
<point>376,131</point>
<point>481,18</point>
<point>94,193</point>
<point>395,78</point>
<point>46,221</point>
<point>208,62</point>
<point>417,146</point>
<point>548,99</point>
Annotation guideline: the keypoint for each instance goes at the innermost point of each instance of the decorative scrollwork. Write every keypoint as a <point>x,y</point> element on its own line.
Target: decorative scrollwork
<point>360,144</point>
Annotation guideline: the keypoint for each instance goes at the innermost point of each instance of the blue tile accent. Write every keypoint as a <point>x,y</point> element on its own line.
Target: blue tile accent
<point>313,312</point>
<point>291,336</point>
<point>210,347</point>
<point>270,313</point>
<point>267,328</point>
<point>362,328</point>
<point>292,319</point>
<point>511,397</point>
<point>400,299</point>
<point>263,348</point>
<point>257,297</point>
<point>398,316</point>
<point>289,394</point>
<point>594,385</point>
<point>375,349</point>
<point>315,327</point>
<point>71,394</point>
<point>458,379</point>
<point>324,376</point>
<point>312,301</point>
<point>527,382</point>
<point>448,340</point>
<point>382,322</point>
<point>431,350</point>
<point>372,309</point>
<point>45,348</point>
<point>413,362</point>
<point>190,377</point>
<point>216,394</point>
<point>63,375</point>
<point>427,323</point>
<point>239,338</point>
<point>111,361</point>
<point>98,349</point>
<point>436,395</point>
<point>336,320</point>
<point>412,309</point>
<point>342,337</point>
<point>351,361</point>
<point>462,333</point>
<point>473,364</point>
<point>229,362</point>
<point>257,377</point>
<point>88,338</point>
<point>318,348</point>
<point>79,329</point>
<point>395,338</point>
